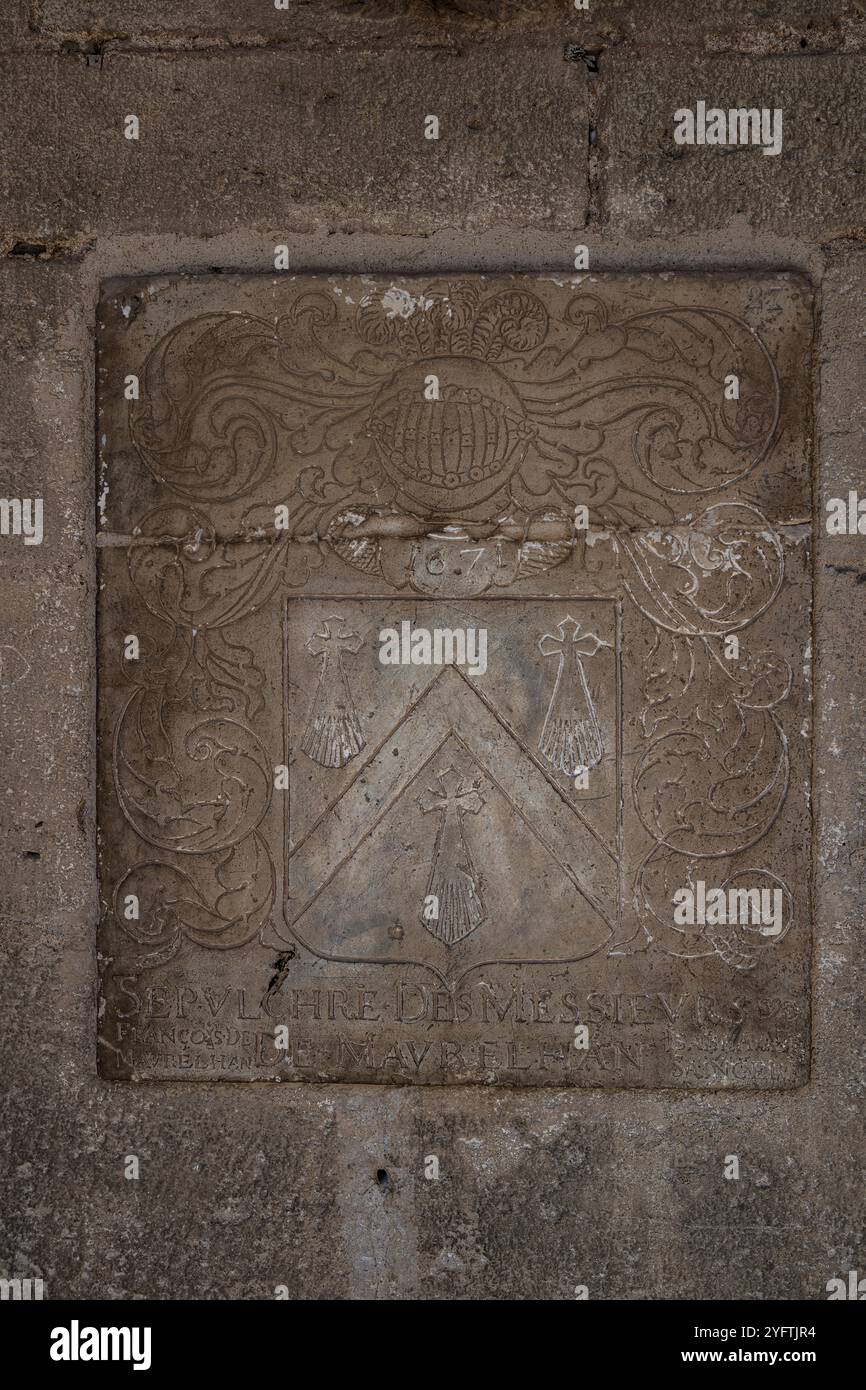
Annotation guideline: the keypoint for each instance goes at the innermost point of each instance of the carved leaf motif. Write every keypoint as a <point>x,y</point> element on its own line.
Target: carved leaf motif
<point>707,579</point>
<point>173,905</point>
<point>740,945</point>
<point>187,784</point>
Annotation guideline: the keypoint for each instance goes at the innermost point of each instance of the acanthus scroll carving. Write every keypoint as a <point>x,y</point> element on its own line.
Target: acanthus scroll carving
<point>710,783</point>
<point>460,401</point>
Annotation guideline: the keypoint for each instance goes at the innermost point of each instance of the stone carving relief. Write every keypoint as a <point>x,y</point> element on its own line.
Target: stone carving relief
<point>333,735</point>
<point>453,905</point>
<point>571,737</point>
<point>352,457</point>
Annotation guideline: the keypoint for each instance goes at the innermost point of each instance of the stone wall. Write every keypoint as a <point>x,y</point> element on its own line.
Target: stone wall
<point>304,127</point>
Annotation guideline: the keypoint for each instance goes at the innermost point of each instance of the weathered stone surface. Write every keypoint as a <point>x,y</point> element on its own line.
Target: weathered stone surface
<point>278,1185</point>
<point>46,442</point>
<point>786,24</point>
<point>744,25</point>
<point>46,595</point>
<point>815,186</point>
<point>247,1187</point>
<point>841,676</point>
<point>14,26</point>
<point>430,895</point>
<point>331,20</point>
<point>45,800</point>
<point>311,144</point>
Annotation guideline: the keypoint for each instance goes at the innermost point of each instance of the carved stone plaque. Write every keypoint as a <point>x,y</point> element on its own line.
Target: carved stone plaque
<point>454,712</point>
